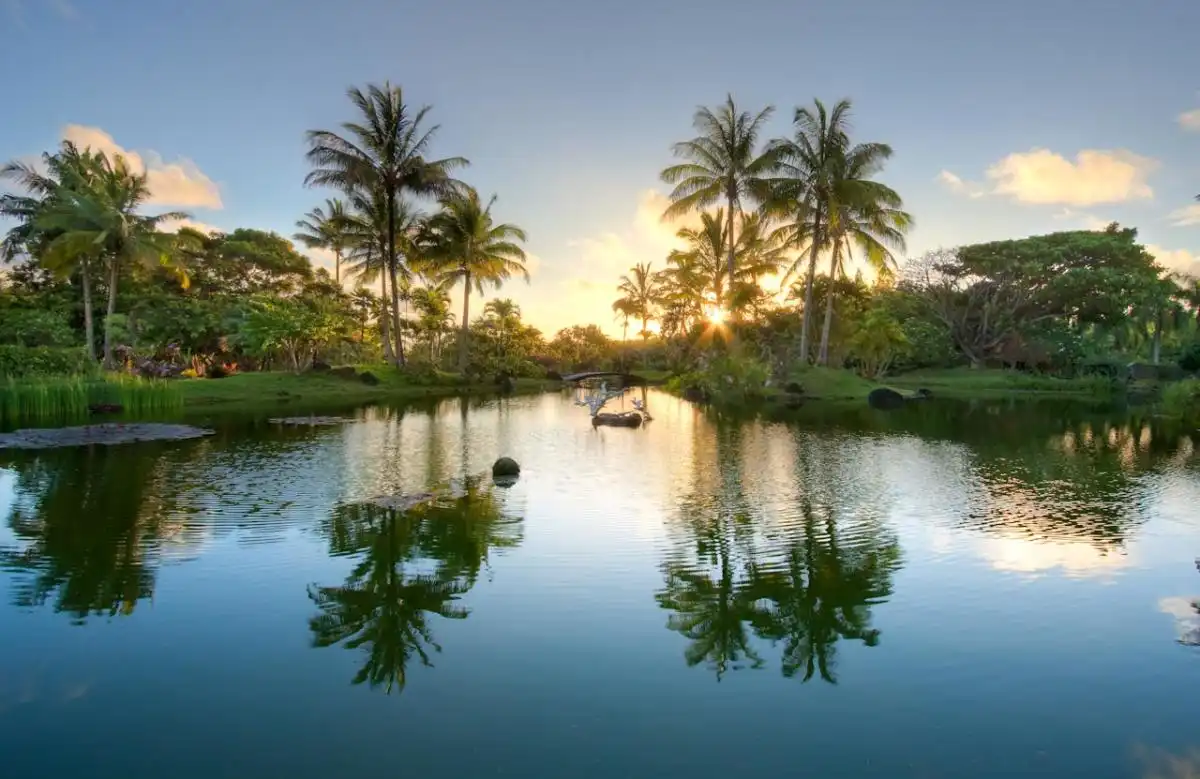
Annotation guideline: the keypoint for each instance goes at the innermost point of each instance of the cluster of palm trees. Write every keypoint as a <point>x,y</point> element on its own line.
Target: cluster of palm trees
<point>787,203</point>
<point>79,214</point>
<point>381,164</point>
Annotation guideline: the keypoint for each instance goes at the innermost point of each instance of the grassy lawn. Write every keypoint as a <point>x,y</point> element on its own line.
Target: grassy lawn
<point>274,388</point>
<point>831,383</point>
<point>965,382</point>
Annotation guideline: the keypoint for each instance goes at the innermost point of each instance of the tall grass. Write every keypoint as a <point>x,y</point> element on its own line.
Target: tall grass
<point>40,399</point>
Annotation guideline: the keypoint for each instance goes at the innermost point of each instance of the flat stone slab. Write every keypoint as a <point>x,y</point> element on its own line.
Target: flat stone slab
<point>457,489</point>
<point>108,434</point>
<point>310,421</point>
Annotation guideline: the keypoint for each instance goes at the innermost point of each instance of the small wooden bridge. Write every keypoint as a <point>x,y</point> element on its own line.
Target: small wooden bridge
<point>627,379</point>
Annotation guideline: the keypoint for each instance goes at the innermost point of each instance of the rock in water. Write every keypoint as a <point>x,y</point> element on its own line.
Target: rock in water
<point>505,466</point>
<point>885,399</point>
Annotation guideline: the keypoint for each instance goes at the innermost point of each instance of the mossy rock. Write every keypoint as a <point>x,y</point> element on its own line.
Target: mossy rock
<point>368,378</point>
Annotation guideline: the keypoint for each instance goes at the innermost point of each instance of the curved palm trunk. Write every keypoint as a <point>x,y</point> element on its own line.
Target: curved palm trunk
<point>113,276</point>
<point>89,325</point>
<point>465,332</point>
<point>645,329</point>
<point>834,263</point>
<point>808,289</point>
<point>337,267</point>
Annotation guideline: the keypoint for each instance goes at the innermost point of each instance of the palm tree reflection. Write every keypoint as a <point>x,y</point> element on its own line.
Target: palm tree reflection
<point>414,565</point>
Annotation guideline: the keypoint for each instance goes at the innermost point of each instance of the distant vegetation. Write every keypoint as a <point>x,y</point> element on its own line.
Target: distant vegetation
<point>788,260</point>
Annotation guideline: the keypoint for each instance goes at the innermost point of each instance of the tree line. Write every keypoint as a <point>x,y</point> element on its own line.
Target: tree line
<point>798,210</point>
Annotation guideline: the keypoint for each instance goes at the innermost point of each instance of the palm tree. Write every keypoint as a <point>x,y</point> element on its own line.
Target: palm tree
<point>722,162</point>
<point>464,243</point>
<point>100,217</point>
<point>802,192</point>
<point>862,213</point>
<point>325,228</point>
<point>64,169</point>
<point>365,225</point>
<point>385,152</point>
<point>641,291</point>
<point>432,303</point>
<point>507,317</point>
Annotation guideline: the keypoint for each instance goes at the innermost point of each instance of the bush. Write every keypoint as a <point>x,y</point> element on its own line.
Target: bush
<point>21,361</point>
<point>1182,399</point>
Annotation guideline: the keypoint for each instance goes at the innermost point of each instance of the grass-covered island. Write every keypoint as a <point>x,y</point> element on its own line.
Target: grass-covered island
<point>786,284</point>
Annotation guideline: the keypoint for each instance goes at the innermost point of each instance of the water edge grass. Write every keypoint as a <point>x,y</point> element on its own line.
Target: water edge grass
<point>70,397</point>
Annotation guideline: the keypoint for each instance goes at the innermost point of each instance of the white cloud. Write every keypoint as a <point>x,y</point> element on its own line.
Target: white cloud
<point>179,183</point>
<point>1075,559</point>
<point>1041,176</point>
<point>173,225</point>
<point>1086,221</point>
<point>958,186</point>
<point>1178,260</point>
<point>1186,216</point>
<point>1190,120</point>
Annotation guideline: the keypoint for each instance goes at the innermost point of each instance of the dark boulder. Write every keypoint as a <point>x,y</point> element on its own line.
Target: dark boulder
<point>922,394</point>
<point>320,367</point>
<point>885,399</point>
<point>793,388</point>
<point>368,378</point>
<point>505,467</point>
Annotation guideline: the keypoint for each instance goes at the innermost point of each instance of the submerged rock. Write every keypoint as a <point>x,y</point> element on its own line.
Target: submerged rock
<point>105,435</point>
<point>311,421</point>
<point>505,467</point>
<point>402,502</point>
<point>885,399</point>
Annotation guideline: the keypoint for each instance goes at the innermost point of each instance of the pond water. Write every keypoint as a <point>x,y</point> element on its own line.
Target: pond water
<point>952,590</point>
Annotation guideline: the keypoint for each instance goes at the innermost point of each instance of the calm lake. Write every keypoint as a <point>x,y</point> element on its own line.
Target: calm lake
<point>951,590</point>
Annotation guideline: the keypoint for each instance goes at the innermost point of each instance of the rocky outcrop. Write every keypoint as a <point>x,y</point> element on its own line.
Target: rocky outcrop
<point>885,399</point>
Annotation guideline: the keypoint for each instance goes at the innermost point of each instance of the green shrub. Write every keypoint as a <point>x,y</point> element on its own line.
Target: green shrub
<point>21,361</point>
<point>1182,399</point>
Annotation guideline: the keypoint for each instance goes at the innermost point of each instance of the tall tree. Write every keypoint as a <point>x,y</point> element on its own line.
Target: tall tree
<point>802,192</point>
<point>861,213</point>
<point>385,151</point>
<point>465,244</point>
<point>366,224</point>
<point>640,290</point>
<point>723,162</point>
<point>69,167</point>
<point>325,228</point>
<point>101,217</point>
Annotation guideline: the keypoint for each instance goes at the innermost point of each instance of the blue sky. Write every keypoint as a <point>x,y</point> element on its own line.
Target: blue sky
<point>1008,119</point>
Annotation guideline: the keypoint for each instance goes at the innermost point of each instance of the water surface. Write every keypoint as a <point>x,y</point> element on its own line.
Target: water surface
<point>984,590</point>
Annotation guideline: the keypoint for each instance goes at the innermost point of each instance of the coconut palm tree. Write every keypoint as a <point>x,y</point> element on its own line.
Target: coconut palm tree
<point>432,303</point>
<point>464,243</point>
<point>641,290</point>
<point>722,163</point>
<point>325,228</point>
<point>802,191</point>
<point>861,213</point>
<point>100,217</point>
<point>66,168</point>
<point>384,152</point>
<point>365,225</point>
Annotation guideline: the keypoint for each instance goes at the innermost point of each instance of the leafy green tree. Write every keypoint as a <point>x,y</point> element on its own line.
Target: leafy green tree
<point>100,216</point>
<point>385,152</point>
<point>988,295</point>
<point>325,228</point>
<point>722,162</point>
<point>581,348</point>
<point>464,243</point>
<point>68,168</point>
